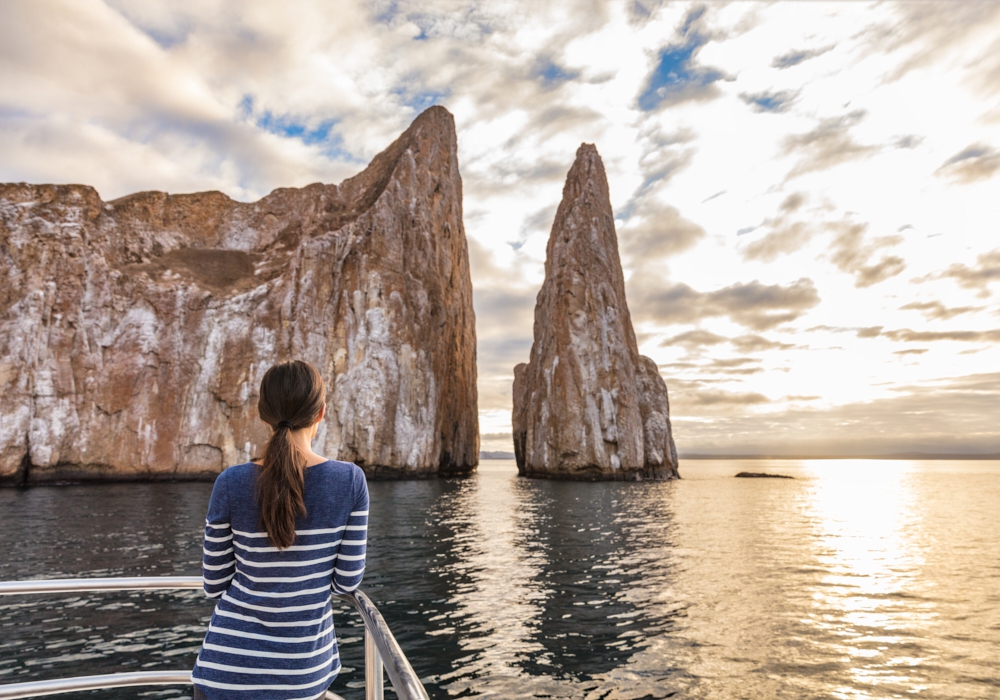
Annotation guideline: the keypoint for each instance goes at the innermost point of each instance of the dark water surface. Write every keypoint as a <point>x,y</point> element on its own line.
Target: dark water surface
<point>857,579</point>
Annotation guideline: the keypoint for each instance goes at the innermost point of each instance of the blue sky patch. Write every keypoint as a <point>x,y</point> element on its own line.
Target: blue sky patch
<point>421,100</point>
<point>553,75</point>
<point>770,101</point>
<point>677,75</point>
<point>322,134</point>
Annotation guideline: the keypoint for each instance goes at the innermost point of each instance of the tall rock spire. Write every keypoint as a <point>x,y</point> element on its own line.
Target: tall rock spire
<point>134,333</point>
<point>587,405</point>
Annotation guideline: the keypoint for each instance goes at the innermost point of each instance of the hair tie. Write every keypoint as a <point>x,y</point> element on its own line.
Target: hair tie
<point>283,424</point>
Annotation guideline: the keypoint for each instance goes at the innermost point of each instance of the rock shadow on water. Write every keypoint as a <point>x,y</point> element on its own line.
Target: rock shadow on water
<point>602,575</point>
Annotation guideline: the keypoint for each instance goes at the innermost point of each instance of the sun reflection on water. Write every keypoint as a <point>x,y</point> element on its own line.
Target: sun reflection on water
<point>871,601</point>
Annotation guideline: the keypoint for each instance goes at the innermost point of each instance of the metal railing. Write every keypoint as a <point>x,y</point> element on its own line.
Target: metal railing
<point>382,651</point>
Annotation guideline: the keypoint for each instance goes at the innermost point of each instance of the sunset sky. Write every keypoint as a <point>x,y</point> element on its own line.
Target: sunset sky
<point>807,194</point>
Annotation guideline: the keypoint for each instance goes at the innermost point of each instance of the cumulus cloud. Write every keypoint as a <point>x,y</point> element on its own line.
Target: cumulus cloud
<point>987,270</point>
<point>747,343</point>
<point>754,305</point>
<point>911,336</point>
<point>935,310</point>
<point>924,34</point>
<point>975,162</point>
<point>784,234</point>
<point>655,231</point>
<point>752,342</point>
<point>695,338</point>
<point>728,398</point>
<point>797,56</point>
<point>852,251</point>
<point>829,144</point>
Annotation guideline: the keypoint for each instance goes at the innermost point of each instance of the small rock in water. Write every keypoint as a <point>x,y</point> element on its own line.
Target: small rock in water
<point>762,475</point>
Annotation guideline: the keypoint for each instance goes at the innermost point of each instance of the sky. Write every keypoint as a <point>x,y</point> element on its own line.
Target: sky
<point>807,194</point>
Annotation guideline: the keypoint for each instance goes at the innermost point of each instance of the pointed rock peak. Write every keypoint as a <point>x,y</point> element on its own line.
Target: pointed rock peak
<point>587,178</point>
<point>588,405</point>
<point>433,124</point>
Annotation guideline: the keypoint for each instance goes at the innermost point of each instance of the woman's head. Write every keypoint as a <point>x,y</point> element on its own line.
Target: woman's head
<point>292,398</point>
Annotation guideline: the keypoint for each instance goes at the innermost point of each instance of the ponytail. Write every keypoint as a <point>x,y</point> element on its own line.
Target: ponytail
<point>292,395</point>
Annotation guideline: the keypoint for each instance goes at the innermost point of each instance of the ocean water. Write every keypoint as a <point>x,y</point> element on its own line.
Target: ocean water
<point>855,579</point>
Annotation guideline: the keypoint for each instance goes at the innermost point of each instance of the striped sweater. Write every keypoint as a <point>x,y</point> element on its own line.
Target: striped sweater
<point>271,636</point>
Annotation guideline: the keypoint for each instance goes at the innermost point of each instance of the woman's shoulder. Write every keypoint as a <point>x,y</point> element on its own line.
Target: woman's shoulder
<point>335,475</point>
<point>237,474</point>
<point>335,468</point>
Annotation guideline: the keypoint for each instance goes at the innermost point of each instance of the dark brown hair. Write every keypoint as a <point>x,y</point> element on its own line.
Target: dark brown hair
<point>292,394</point>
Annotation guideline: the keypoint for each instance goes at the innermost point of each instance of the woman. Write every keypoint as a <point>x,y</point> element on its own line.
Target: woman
<point>278,535</point>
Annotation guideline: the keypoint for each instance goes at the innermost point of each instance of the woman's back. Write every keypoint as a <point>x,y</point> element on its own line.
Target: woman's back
<point>272,635</point>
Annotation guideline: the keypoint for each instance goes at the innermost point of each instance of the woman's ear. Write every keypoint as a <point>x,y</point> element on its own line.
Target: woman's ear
<point>322,412</point>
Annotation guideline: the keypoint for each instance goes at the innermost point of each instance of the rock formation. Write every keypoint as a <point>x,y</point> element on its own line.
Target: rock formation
<point>587,405</point>
<point>134,333</point>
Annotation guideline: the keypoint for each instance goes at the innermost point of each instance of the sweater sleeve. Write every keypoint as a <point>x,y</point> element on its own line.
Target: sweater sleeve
<point>349,567</point>
<point>218,562</point>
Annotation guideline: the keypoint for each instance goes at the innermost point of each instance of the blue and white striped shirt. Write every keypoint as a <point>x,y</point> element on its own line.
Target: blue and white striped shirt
<point>271,635</point>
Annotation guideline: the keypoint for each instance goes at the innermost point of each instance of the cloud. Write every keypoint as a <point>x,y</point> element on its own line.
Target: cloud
<point>770,101</point>
<point>711,398</point>
<point>979,277</point>
<point>935,310</point>
<point>734,361</point>
<point>975,162</point>
<point>928,34</point>
<point>757,343</point>
<point>851,251</point>
<point>827,145</point>
<point>783,238</point>
<point>750,342</point>
<point>947,414</point>
<point>754,305</point>
<point>655,231</point>
<point>695,338</point>
<point>797,56</point>
<point>785,235</point>
<point>911,336</point>
<point>677,76</point>
<point>914,351</point>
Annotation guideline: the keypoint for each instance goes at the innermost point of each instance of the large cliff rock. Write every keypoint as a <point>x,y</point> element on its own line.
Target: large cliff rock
<point>134,333</point>
<point>588,405</point>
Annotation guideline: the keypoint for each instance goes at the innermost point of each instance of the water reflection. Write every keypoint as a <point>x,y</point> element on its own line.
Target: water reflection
<point>549,587</point>
<point>871,602</point>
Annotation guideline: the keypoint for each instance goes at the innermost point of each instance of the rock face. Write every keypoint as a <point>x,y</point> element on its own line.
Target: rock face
<point>587,405</point>
<point>134,333</point>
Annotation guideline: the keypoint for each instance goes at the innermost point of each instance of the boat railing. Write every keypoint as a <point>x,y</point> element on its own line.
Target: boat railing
<point>382,651</point>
